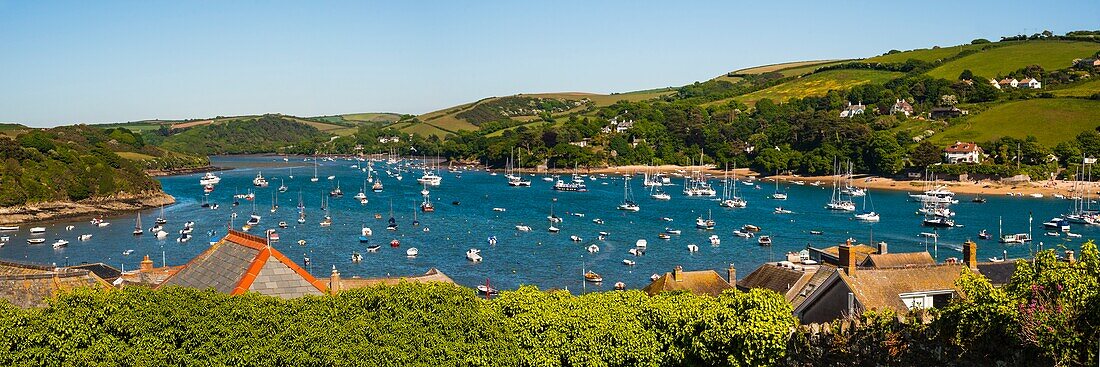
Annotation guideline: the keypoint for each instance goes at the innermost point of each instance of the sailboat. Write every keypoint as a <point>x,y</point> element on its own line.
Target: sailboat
<point>778,195</point>
<point>427,206</point>
<point>658,194</point>
<point>137,226</point>
<point>729,193</point>
<point>291,175</point>
<point>416,222</point>
<point>553,219</point>
<point>377,187</point>
<point>837,201</point>
<point>392,226</point>
<point>327,221</point>
<point>301,209</point>
<point>850,189</point>
<point>628,203</point>
<point>868,216</point>
<point>282,186</point>
<point>336,192</point>
<point>363,192</point>
<point>274,201</point>
<point>314,178</point>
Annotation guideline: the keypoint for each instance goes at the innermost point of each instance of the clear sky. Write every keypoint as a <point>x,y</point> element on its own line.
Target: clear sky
<point>111,61</point>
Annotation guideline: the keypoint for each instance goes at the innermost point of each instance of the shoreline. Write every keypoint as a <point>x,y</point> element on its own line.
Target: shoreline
<point>59,210</point>
<point>183,171</point>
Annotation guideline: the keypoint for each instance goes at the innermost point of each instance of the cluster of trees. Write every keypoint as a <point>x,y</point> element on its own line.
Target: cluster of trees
<point>71,163</point>
<point>403,325</point>
<point>1047,315</point>
<point>502,108</point>
<point>264,134</point>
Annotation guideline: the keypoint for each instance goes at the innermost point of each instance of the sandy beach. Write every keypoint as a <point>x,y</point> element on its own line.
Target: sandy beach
<point>986,187</point>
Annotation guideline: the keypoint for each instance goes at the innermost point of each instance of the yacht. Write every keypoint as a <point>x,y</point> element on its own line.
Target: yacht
<point>764,241</point>
<point>714,240</point>
<point>729,195</point>
<point>60,243</point>
<point>707,224</point>
<point>561,185</point>
<point>628,203</point>
<point>473,255</point>
<point>209,179</point>
<point>430,178</point>
<point>259,181</point>
<point>35,241</point>
<point>412,252</point>
<point>377,187</point>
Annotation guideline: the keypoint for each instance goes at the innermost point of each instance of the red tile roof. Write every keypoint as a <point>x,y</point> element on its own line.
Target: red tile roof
<point>962,147</point>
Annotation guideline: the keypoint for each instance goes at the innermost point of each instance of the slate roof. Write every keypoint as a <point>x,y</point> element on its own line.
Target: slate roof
<point>101,270</point>
<point>823,272</point>
<point>702,282</point>
<point>831,255</point>
<point>241,262</point>
<point>997,273</point>
<point>898,260</point>
<point>28,285</point>
<point>878,289</point>
<point>785,280</point>
<point>147,278</point>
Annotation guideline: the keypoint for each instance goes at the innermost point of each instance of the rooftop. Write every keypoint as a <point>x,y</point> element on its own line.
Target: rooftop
<point>28,285</point>
<point>702,282</point>
<point>785,279</point>
<point>898,260</point>
<point>878,289</point>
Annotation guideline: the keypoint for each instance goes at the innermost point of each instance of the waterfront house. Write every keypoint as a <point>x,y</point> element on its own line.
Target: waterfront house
<point>851,290</point>
<point>853,109</point>
<point>901,106</point>
<point>240,263</point>
<point>702,282</point>
<point>30,285</point>
<point>962,152</point>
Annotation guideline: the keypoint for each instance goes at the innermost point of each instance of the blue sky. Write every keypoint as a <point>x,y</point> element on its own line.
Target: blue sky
<point>84,61</point>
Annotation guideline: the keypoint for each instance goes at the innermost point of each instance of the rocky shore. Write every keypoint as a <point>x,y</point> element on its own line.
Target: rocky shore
<point>56,210</point>
<point>182,171</point>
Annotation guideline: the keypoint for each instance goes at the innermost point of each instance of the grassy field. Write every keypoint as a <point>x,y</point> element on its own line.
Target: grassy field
<point>1048,54</point>
<point>925,54</point>
<point>1084,89</point>
<point>786,68</point>
<point>1050,120</point>
<point>133,156</point>
<point>372,117</point>
<point>817,84</point>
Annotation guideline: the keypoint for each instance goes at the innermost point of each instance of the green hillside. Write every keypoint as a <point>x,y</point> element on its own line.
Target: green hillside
<point>818,84</point>
<point>1084,89</point>
<point>1050,120</point>
<point>1050,55</point>
<point>267,133</point>
<point>927,54</point>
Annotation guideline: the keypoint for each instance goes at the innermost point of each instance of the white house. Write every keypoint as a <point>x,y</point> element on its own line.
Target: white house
<point>1009,82</point>
<point>1030,83</point>
<point>994,83</point>
<point>618,126</point>
<point>901,106</point>
<point>389,139</point>
<point>962,152</point>
<point>853,109</point>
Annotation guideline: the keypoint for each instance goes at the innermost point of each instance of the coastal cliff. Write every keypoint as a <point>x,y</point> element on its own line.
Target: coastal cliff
<point>54,210</point>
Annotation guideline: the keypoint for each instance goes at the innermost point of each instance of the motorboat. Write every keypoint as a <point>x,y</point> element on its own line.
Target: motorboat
<point>35,241</point>
<point>707,224</point>
<point>593,248</point>
<point>742,234</point>
<point>161,234</point>
<point>592,277</point>
<point>127,252</point>
<point>412,252</point>
<point>523,228</point>
<point>938,222</point>
<point>553,229</point>
<point>664,236</point>
<point>597,221</point>
<point>750,228</point>
<point>499,209</point>
<point>574,238</point>
<point>1057,224</point>
<point>780,210</point>
<point>636,251</point>
<point>473,255</point>
<point>38,230</point>
<point>693,248</point>
<point>282,225</point>
<point>484,289</point>
<point>641,243</point>
<point>1017,238</point>
<point>373,248</point>
<point>764,241</point>
<point>983,234</point>
<point>259,181</point>
<point>868,216</point>
<point>356,257</point>
<point>430,178</point>
<point>209,179</point>
<point>9,228</point>
<point>714,240</point>
<point>84,237</point>
<point>492,240</point>
<point>395,243</point>
<point>629,262</point>
<point>60,243</point>
<point>672,231</point>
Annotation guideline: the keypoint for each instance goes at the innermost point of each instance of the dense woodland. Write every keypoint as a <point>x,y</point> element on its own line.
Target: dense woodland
<point>1048,315</point>
<point>80,162</point>
<point>264,134</point>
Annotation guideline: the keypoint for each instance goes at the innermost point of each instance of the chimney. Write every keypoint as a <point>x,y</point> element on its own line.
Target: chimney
<point>146,264</point>
<point>731,274</point>
<point>970,254</point>
<point>882,247</point>
<point>1069,257</point>
<point>847,258</point>
<point>678,273</point>
<point>334,281</point>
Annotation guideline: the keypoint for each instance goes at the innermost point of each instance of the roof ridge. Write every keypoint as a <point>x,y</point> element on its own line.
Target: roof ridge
<point>252,272</point>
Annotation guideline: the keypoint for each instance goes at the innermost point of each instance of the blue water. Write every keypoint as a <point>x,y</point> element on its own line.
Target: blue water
<point>537,257</point>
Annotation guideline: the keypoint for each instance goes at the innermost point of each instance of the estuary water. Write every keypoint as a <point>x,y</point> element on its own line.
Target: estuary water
<point>538,257</point>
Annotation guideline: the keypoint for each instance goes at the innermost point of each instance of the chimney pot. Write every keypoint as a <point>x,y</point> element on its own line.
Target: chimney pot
<point>1069,257</point>
<point>732,275</point>
<point>847,259</point>
<point>334,281</point>
<point>882,248</point>
<point>678,273</point>
<point>146,264</point>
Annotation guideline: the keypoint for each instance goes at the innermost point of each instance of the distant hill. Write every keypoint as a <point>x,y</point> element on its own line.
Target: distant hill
<point>996,61</point>
<point>261,134</point>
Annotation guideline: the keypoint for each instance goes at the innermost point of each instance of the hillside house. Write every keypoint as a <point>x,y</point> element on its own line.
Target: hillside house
<point>853,109</point>
<point>1029,83</point>
<point>1009,82</point>
<point>901,106</point>
<point>581,143</point>
<point>389,139</point>
<point>962,152</point>
<point>994,83</point>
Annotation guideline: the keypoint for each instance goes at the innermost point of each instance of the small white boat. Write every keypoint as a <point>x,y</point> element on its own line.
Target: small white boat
<point>1036,195</point>
<point>473,255</point>
<point>1072,235</point>
<point>35,241</point>
<point>666,219</point>
<point>628,262</point>
<point>523,228</point>
<point>597,221</point>
<point>780,210</point>
<point>499,209</point>
<point>484,289</point>
<point>575,238</point>
<point>69,228</point>
<point>641,243</point>
<point>9,228</point>
<point>693,248</point>
<point>162,234</point>
<point>412,252</point>
<point>672,231</point>
<point>60,243</point>
<point>553,229</point>
<point>764,241</point>
<point>127,252</point>
<point>38,230</point>
<point>85,237</point>
<point>1054,234</point>
<point>868,217</point>
<point>714,240</point>
<point>742,234</point>
<point>593,248</point>
<point>635,252</point>
<point>928,234</point>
